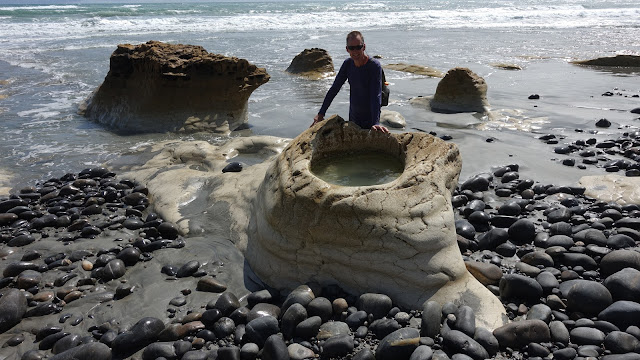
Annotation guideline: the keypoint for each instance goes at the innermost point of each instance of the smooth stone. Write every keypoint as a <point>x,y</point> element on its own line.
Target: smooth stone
<point>302,295</point>
<point>66,343</point>
<point>383,327</point>
<point>14,340</point>
<point>92,350</point>
<point>431,319</point>
<point>537,350</point>
<point>462,343</point>
<point>159,350</point>
<point>586,336</point>
<point>465,320</point>
<point>249,351</point>
<point>356,319</point>
<point>559,240</point>
<point>224,327</point>
<point>294,315</point>
<point>114,269</point>
<point>259,330</point>
<point>522,232</point>
<point>130,256</point>
<point>620,241</point>
<point>591,236</point>
<point>514,286</point>
<point>227,303</point>
<point>539,312</point>
<point>263,309</point>
<point>520,333</point>
<point>558,215</point>
<point>400,344</point>
<point>364,354</point>
<point>168,230</point>
<point>141,334</point>
<point>13,306</point>
<point>619,342</point>
<point>21,240</point>
<point>196,355</point>
<point>422,352</point>
<point>492,238</point>
<point>28,279</point>
<point>465,229</point>
<point>486,273</point>
<point>576,259</point>
<point>624,284</point>
<point>548,281</point>
<point>537,258</point>
<point>377,305</point>
<point>15,268</point>
<point>233,167</point>
<point>332,328</point>
<point>628,222</point>
<point>588,297</point>
<point>228,353</point>
<point>260,296</point>
<point>559,332</point>
<point>560,228</point>
<point>49,341</point>
<point>133,223</point>
<point>476,183</point>
<point>486,339</point>
<point>299,352</point>
<point>275,349</point>
<point>622,313</point>
<point>308,328</point>
<point>210,284</point>
<point>338,346</point>
<point>321,307</point>
<point>565,354</point>
<point>188,269</point>
<point>618,260</point>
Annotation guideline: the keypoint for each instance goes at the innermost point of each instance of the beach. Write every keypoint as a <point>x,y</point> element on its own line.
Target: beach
<point>88,247</point>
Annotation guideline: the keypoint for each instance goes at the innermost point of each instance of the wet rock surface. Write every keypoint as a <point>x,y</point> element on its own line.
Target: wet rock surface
<point>313,63</point>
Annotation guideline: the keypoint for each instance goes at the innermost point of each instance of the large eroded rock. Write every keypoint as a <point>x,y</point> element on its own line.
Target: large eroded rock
<point>313,63</point>
<point>396,238</point>
<point>618,60</point>
<point>158,87</point>
<point>461,90</point>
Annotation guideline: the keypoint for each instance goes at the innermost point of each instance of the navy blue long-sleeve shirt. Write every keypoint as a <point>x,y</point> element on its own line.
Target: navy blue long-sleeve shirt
<point>365,96</point>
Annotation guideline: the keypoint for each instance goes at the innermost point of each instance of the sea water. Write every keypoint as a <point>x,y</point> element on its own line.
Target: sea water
<point>53,56</point>
<point>357,168</point>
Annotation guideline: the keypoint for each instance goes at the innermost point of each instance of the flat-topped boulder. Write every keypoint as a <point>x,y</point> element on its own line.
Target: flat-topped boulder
<point>415,69</point>
<point>614,61</point>
<point>460,91</point>
<point>612,188</point>
<point>396,237</point>
<point>159,87</point>
<point>312,63</point>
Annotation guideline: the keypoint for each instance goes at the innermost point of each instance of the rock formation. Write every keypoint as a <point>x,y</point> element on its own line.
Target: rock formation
<point>461,90</point>
<point>415,69</point>
<point>618,60</point>
<point>392,119</point>
<point>396,238</point>
<point>312,63</point>
<point>158,87</point>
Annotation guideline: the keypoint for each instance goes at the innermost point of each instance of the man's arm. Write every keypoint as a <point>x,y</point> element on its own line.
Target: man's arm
<point>376,98</point>
<point>340,79</point>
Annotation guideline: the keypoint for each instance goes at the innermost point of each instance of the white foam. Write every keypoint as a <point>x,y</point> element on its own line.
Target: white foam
<point>40,7</point>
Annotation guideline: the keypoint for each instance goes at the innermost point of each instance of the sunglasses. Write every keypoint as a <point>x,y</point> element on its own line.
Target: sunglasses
<point>355,47</point>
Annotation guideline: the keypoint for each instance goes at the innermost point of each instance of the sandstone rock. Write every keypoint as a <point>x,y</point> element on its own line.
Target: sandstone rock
<point>415,69</point>
<point>461,90</point>
<point>158,87</point>
<point>396,238</point>
<point>618,60</point>
<point>612,188</point>
<point>505,66</point>
<point>312,63</point>
<point>392,119</point>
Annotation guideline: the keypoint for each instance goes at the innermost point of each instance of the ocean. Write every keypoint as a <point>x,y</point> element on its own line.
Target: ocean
<point>53,55</point>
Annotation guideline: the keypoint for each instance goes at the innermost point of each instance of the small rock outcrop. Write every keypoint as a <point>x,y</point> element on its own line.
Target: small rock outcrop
<point>618,60</point>
<point>461,90</point>
<point>312,63</point>
<point>159,87</point>
<point>415,69</point>
<point>396,238</point>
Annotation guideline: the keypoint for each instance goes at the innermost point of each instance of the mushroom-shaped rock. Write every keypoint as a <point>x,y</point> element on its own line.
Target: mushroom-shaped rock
<point>618,61</point>
<point>158,87</point>
<point>396,238</point>
<point>461,90</point>
<point>312,63</point>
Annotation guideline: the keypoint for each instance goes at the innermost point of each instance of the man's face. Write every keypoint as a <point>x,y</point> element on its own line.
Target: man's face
<point>355,48</point>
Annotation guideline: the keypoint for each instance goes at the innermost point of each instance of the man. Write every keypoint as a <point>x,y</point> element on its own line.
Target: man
<point>365,79</point>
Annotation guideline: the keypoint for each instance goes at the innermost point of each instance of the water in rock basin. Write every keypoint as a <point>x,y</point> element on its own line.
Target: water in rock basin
<point>358,169</point>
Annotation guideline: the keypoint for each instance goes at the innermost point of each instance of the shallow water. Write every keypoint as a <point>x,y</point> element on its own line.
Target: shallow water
<point>357,169</point>
<point>53,56</point>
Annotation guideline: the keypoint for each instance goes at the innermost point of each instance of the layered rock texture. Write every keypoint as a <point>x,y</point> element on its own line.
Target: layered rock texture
<point>415,69</point>
<point>618,60</point>
<point>461,90</point>
<point>312,63</point>
<point>158,87</point>
<point>397,238</point>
